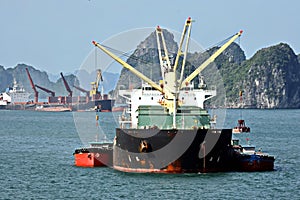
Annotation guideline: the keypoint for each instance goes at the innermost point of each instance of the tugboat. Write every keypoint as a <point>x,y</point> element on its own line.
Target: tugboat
<point>168,130</point>
<point>252,160</point>
<point>241,127</point>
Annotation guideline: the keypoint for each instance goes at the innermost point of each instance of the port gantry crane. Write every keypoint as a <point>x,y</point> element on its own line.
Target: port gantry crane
<point>36,93</point>
<point>95,85</point>
<point>171,84</point>
<point>66,85</point>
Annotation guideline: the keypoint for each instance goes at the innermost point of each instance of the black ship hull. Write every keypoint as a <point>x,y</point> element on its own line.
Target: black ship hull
<point>103,105</point>
<point>173,151</point>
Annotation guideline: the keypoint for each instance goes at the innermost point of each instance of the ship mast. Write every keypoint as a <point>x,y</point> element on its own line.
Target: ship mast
<point>171,84</point>
<point>169,73</point>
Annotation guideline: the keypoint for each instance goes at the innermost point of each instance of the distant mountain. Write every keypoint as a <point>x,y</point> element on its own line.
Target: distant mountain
<point>53,77</point>
<point>272,78</point>
<point>40,78</point>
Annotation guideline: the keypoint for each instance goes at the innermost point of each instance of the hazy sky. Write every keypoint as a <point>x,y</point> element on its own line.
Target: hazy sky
<point>56,35</point>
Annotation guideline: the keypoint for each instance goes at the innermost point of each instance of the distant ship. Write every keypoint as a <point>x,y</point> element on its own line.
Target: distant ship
<point>14,95</point>
<point>52,108</point>
<point>95,99</point>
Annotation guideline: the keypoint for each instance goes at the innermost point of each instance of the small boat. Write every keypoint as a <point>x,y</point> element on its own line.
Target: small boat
<point>53,108</point>
<point>251,160</point>
<point>241,127</point>
<point>98,154</point>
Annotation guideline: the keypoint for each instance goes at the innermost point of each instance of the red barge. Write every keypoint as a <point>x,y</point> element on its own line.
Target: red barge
<point>97,155</point>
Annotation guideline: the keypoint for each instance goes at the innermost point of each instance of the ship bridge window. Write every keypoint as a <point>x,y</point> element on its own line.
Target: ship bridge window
<point>148,88</point>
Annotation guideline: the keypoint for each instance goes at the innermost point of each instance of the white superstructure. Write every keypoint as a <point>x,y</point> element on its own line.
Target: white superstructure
<point>148,95</point>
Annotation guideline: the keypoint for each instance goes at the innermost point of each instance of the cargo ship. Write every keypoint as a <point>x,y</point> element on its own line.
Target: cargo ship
<point>14,97</point>
<point>167,129</point>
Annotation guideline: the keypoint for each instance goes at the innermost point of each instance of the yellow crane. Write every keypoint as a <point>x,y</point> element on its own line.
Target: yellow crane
<point>171,86</point>
<point>95,85</point>
<point>210,59</point>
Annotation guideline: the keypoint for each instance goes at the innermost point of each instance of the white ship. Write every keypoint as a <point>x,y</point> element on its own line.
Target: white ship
<point>14,95</point>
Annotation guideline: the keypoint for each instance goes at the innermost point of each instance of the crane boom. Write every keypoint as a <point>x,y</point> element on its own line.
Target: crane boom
<point>66,84</point>
<point>46,90</point>
<point>210,59</point>
<point>36,93</point>
<point>187,28</point>
<point>160,36</point>
<point>82,90</point>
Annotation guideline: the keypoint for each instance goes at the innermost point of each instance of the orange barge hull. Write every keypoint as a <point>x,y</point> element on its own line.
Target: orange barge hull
<point>98,155</point>
<point>92,159</point>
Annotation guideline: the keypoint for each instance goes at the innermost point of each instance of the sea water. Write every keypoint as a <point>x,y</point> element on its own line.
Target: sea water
<point>36,161</point>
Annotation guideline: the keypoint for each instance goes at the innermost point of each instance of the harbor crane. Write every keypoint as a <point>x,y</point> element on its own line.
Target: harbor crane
<point>66,85</point>
<point>36,93</point>
<point>95,85</point>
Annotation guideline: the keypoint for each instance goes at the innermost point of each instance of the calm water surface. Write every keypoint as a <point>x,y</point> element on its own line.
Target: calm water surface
<point>36,161</point>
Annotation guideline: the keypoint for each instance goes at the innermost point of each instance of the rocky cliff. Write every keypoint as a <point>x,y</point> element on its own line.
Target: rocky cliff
<point>273,78</point>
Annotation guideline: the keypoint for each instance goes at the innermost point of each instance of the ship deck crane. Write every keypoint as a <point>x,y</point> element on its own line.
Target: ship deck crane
<point>66,85</point>
<point>36,93</point>
<point>46,90</point>
<point>171,86</point>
